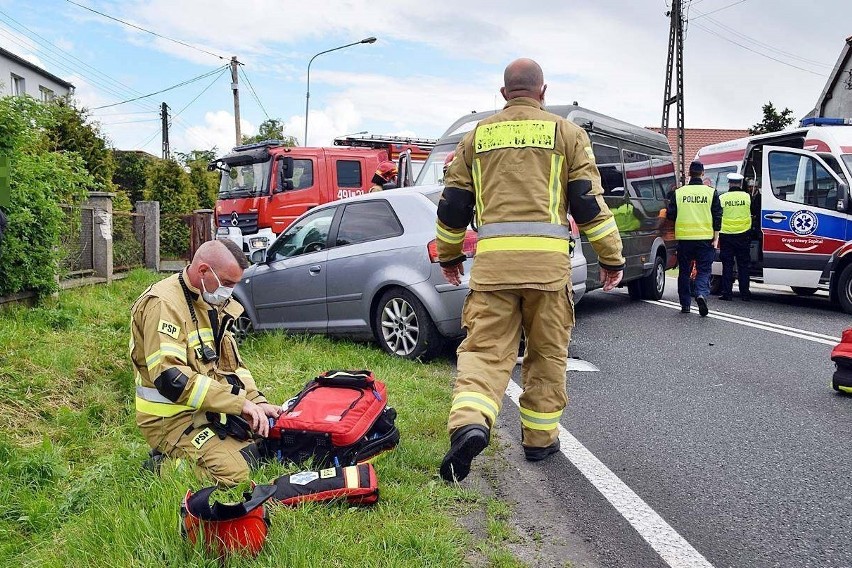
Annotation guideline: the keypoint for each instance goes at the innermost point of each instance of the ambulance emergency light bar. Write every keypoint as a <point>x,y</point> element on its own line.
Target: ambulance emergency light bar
<point>823,121</point>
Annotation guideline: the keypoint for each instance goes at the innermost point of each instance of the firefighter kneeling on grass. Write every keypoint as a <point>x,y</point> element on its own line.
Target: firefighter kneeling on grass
<point>194,397</point>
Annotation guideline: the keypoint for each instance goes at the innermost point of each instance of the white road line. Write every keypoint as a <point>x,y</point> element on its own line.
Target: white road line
<point>757,324</point>
<point>665,541</point>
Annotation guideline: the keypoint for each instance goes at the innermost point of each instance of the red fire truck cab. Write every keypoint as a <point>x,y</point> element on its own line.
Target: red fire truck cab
<point>265,186</point>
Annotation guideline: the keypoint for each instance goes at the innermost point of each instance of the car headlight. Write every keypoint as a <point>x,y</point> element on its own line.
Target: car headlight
<point>258,242</point>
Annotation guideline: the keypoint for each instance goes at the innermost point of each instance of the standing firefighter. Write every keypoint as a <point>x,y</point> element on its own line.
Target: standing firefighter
<point>194,397</point>
<point>519,171</point>
<point>385,177</point>
<point>735,237</point>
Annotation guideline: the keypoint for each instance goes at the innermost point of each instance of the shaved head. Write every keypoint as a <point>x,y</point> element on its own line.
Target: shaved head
<point>522,78</point>
<point>226,260</point>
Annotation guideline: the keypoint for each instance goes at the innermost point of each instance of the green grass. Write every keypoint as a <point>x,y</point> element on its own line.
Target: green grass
<point>72,492</point>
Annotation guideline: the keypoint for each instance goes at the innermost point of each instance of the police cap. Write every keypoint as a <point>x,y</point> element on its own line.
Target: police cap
<point>735,177</point>
<point>696,167</point>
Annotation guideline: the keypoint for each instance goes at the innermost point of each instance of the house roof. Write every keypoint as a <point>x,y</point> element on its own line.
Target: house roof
<point>836,73</point>
<point>21,61</point>
<point>696,138</point>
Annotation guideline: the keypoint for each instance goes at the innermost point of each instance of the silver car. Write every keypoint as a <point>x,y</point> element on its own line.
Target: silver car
<point>365,267</point>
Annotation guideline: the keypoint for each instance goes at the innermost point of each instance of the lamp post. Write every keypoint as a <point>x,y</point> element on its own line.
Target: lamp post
<point>308,91</point>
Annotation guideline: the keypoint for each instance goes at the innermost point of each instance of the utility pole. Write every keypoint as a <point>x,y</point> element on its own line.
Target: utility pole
<point>164,116</point>
<point>675,60</point>
<point>236,89</point>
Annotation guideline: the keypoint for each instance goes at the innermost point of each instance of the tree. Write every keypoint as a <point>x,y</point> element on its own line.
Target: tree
<point>773,121</point>
<point>271,129</point>
<point>206,184</point>
<point>71,132</point>
<point>129,172</point>
<point>168,183</point>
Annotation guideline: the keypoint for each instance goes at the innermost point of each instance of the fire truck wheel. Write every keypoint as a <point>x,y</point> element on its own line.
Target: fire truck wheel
<point>844,289</point>
<point>242,328</point>
<point>403,327</point>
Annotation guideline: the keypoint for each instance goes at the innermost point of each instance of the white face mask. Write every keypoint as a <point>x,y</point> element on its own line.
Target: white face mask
<point>219,296</point>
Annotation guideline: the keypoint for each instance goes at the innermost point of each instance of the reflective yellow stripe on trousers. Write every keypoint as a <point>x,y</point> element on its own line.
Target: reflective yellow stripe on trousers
<point>540,420</point>
<point>476,401</point>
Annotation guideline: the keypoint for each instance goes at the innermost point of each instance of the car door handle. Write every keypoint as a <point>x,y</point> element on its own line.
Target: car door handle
<point>775,217</point>
<point>315,269</point>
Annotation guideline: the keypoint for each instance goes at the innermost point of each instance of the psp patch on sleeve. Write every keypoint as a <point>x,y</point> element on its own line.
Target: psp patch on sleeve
<point>169,329</point>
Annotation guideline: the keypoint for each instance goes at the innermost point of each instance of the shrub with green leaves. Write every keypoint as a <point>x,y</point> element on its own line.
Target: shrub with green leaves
<point>40,180</point>
<point>168,183</point>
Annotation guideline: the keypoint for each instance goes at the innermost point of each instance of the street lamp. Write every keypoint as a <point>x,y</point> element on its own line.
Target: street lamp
<point>308,92</point>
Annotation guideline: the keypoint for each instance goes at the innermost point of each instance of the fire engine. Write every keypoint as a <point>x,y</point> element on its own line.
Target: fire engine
<point>265,186</point>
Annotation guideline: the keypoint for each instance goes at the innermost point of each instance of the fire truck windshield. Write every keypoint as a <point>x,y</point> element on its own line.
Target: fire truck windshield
<point>245,180</point>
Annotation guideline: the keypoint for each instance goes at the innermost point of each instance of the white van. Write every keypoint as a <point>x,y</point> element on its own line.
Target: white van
<point>801,178</point>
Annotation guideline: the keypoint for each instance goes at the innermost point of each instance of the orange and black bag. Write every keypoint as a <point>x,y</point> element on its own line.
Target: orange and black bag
<point>355,484</point>
<point>842,357</point>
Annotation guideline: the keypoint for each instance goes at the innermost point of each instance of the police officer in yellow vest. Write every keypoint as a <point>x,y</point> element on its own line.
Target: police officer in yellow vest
<point>697,214</point>
<point>519,172</point>
<point>735,237</point>
<point>195,399</point>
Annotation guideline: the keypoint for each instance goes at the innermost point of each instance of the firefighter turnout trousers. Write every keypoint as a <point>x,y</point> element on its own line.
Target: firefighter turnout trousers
<point>494,320</point>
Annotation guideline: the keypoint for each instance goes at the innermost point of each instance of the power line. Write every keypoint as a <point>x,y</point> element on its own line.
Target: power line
<point>201,93</point>
<point>177,41</point>
<point>708,30</point>
<point>129,121</point>
<point>187,82</point>
<point>700,15</point>
<point>251,88</point>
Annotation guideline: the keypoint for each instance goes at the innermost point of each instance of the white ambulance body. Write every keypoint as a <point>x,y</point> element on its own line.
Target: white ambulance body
<point>801,178</point>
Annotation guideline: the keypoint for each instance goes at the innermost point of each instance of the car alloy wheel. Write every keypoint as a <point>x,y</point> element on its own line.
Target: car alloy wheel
<point>403,326</point>
<point>242,328</point>
<point>400,328</point>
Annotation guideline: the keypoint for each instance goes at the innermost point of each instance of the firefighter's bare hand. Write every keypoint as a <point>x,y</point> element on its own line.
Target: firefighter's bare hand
<point>270,410</point>
<point>256,418</point>
<point>610,278</point>
<point>452,274</point>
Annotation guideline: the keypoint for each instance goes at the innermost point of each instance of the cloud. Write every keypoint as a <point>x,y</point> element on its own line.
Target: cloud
<point>217,130</point>
<point>336,119</point>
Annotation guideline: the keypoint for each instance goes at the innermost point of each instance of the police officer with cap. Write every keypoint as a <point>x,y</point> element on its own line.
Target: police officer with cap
<point>697,214</point>
<point>735,237</point>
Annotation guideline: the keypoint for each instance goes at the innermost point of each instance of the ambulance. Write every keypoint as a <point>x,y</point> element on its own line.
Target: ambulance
<point>801,179</point>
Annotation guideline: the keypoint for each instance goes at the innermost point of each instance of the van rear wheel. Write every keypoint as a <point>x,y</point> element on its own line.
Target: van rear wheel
<point>654,284</point>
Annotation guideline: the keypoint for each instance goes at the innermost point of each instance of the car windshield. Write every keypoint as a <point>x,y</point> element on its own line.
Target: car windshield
<point>432,171</point>
<point>246,180</point>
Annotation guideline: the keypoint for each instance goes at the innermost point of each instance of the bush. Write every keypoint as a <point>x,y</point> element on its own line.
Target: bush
<point>168,183</point>
<point>40,180</point>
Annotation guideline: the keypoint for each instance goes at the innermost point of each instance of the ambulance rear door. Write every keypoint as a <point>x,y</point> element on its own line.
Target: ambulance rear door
<point>799,218</point>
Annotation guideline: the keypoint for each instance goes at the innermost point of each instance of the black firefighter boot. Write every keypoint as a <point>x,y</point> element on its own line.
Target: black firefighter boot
<point>465,444</point>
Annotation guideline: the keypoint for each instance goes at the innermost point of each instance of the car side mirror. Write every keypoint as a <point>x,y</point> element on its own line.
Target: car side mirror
<point>843,197</point>
<point>258,256</point>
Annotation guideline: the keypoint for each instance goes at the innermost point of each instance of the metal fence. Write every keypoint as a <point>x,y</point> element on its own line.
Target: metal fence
<point>76,240</point>
<point>128,238</point>
<point>181,235</point>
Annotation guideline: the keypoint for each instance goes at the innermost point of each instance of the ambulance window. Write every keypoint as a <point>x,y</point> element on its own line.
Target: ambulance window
<point>349,173</point>
<point>608,160</point>
<point>719,177</point>
<point>833,164</point>
<point>801,179</point>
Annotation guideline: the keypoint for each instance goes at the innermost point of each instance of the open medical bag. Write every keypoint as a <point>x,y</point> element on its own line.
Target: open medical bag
<point>340,418</point>
<point>842,357</point>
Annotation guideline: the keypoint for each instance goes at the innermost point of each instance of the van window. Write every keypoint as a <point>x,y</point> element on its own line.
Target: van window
<point>718,177</point>
<point>637,171</point>
<point>801,179</point>
<point>608,160</point>
<point>349,173</point>
<point>664,176</point>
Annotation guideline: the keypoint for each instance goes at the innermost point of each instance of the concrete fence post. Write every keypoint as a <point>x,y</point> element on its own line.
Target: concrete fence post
<point>101,204</point>
<point>147,229</point>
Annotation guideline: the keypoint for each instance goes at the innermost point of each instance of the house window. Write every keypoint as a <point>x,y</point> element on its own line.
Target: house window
<point>19,87</point>
<point>46,94</point>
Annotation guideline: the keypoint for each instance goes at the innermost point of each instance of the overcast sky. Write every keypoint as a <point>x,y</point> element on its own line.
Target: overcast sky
<point>433,62</point>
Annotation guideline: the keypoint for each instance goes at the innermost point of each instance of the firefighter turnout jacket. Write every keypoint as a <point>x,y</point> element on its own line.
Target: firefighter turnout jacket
<point>521,171</point>
<point>176,384</point>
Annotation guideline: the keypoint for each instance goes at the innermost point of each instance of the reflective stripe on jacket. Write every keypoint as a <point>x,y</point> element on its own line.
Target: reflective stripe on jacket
<point>736,212</point>
<point>694,218</point>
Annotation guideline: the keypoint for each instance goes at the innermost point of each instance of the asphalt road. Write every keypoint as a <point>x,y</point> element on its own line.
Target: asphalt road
<point>729,432</point>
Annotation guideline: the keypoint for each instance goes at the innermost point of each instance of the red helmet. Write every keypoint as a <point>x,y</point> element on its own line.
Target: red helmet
<point>449,160</point>
<point>387,170</point>
<point>227,527</point>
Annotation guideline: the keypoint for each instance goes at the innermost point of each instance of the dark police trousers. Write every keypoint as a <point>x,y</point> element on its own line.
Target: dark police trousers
<point>735,247</point>
<point>703,253</point>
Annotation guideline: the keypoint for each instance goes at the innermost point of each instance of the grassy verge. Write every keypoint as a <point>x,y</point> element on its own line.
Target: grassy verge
<point>71,489</point>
